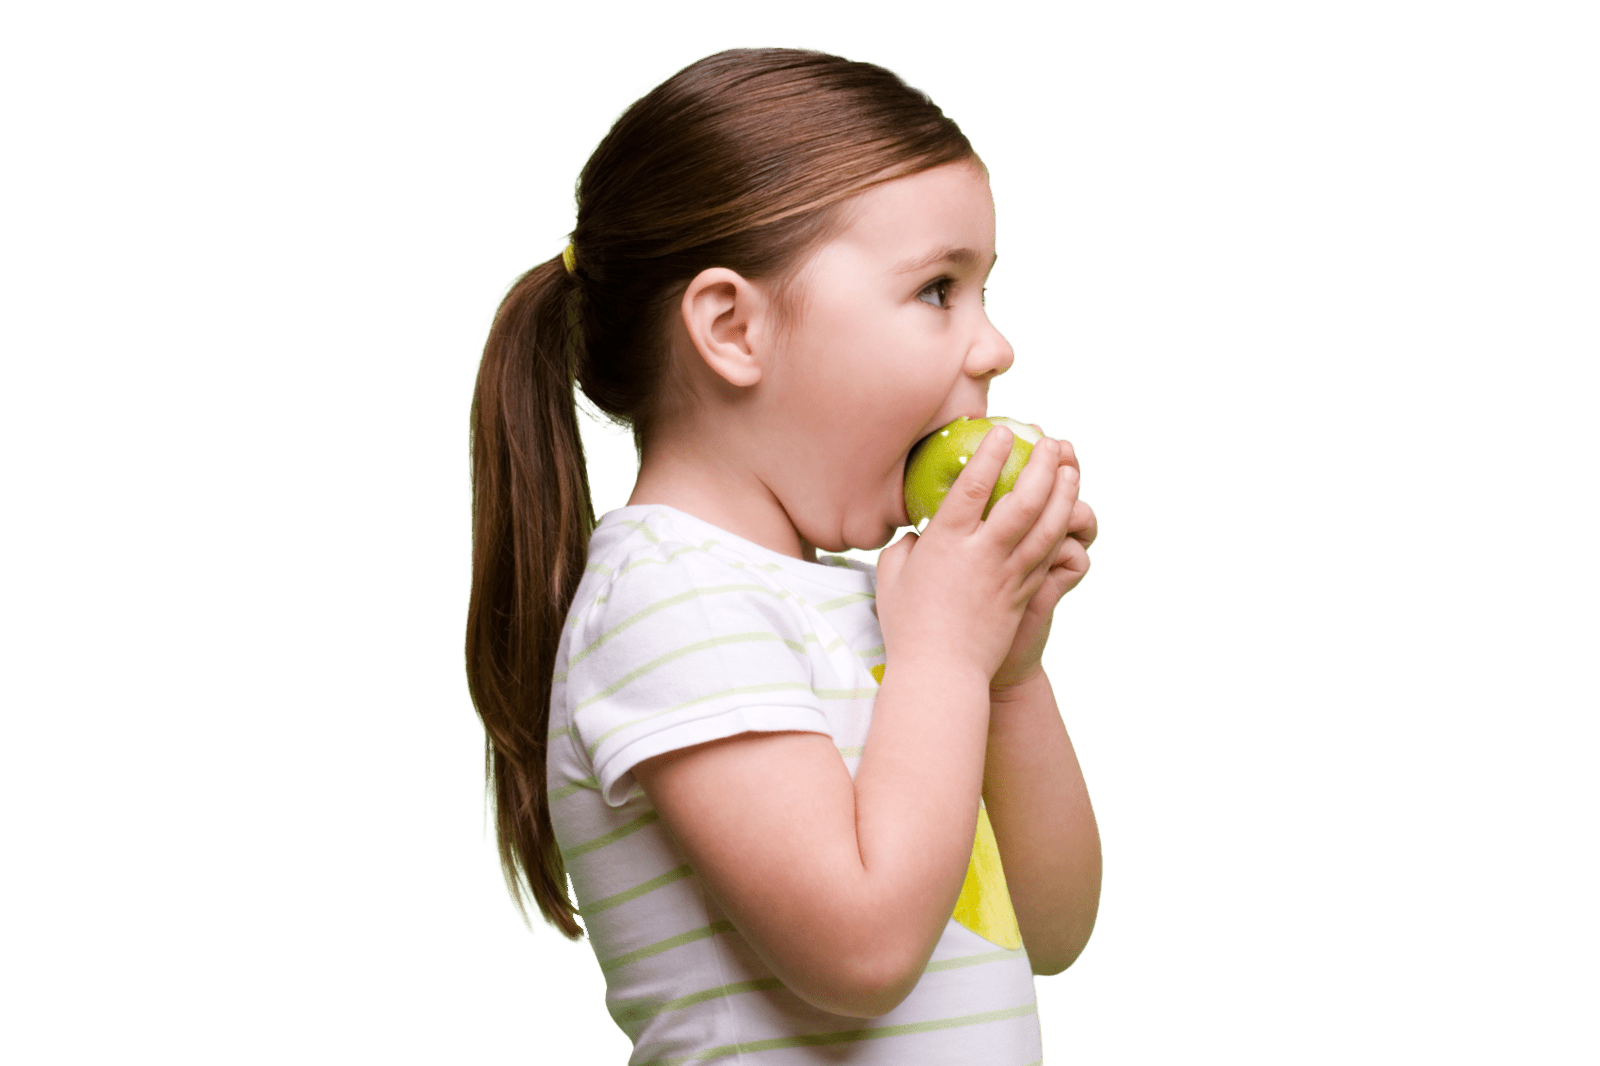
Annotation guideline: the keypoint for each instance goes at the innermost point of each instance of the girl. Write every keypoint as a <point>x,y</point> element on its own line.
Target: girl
<point>776,280</point>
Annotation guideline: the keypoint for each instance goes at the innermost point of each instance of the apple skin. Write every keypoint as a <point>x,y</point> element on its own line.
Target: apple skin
<point>938,459</point>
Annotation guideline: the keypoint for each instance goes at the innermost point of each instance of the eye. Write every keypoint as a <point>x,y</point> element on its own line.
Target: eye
<point>936,292</point>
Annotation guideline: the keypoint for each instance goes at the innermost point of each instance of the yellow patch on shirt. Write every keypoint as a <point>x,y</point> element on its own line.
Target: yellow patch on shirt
<point>984,905</point>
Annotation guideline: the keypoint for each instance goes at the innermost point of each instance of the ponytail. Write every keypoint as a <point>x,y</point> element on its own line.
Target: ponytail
<point>531,520</point>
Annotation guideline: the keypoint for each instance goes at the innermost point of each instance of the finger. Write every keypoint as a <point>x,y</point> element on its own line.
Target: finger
<point>963,505</point>
<point>1084,526</point>
<point>1018,512</point>
<point>1051,528</point>
<point>1069,452</point>
<point>893,559</point>
<point>1071,565</point>
<point>1069,455</point>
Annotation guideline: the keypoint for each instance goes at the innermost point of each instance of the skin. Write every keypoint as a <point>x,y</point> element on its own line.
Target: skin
<point>794,435</point>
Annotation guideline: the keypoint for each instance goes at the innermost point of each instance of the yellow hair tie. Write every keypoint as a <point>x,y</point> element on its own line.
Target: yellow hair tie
<point>569,258</point>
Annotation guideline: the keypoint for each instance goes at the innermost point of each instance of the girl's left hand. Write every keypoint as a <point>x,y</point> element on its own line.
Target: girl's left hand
<point>1066,568</point>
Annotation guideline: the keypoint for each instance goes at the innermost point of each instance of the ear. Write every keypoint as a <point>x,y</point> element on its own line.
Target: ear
<point>726,317</point>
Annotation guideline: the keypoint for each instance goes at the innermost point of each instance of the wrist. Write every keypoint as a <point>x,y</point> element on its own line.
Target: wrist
<point>937,673</point>
<point>1021,689</point>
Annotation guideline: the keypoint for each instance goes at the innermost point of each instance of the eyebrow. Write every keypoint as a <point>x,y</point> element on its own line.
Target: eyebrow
<point>958,256</point>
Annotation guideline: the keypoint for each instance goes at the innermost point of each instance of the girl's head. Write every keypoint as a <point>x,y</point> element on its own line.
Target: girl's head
<point>738,161</point>
<point>743,161</point>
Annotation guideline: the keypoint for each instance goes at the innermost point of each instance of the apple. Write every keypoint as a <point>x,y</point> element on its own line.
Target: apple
<point>937,460</point>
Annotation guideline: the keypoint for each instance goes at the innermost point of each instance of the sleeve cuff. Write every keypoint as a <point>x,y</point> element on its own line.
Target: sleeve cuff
<point>616,773</point>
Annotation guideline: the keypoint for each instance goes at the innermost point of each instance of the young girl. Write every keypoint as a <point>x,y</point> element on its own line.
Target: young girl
<point>777,280</point>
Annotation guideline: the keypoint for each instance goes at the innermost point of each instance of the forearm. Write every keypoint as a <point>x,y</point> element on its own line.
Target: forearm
<point>1044,825</point>
<point>917,792</point>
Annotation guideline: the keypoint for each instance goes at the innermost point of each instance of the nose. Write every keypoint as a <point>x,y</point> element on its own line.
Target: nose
<point>990,354</point>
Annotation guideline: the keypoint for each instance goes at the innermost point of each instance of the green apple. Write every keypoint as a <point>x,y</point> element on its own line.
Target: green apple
<point>937,460</point>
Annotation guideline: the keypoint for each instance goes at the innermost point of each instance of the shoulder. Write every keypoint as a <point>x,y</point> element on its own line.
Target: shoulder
<point>648,562</point>
<point>679,637</point>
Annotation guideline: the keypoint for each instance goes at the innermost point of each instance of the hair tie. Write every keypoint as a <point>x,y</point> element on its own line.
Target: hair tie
<point>569,259</point>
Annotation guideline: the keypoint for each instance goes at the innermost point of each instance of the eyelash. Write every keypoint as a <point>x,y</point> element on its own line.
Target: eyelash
<point>942,287</point>
<point>989,292</point>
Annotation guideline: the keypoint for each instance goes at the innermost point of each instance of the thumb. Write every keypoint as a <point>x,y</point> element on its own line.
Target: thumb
<point>892,559</point>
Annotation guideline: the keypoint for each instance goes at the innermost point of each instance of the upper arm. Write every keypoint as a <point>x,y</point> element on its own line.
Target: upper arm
<point>768,822</point>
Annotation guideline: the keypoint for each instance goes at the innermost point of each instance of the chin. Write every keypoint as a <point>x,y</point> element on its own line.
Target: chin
<point>863,518</point>
<point>874,539</point>
<point>852,534</point>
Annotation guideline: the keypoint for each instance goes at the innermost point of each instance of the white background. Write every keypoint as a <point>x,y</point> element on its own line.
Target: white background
<point>1313,288</point>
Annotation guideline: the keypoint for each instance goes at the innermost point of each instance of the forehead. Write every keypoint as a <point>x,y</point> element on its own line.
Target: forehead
<point>948,208</point>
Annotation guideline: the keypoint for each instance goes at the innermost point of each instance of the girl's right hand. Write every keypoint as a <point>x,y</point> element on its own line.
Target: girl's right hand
<point>959,591</point>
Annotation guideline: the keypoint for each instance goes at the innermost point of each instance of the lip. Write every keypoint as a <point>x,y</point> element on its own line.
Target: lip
<point>940,423</point>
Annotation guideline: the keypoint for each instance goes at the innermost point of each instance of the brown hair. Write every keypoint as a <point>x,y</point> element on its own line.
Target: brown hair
<point>735,161</point>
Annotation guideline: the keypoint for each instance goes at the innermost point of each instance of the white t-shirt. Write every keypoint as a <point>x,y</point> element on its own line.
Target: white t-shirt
<point>682,633</point>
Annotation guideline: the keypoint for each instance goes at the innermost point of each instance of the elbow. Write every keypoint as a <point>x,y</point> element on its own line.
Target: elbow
<point>863,991</point>
<point>1052,964</point>
<point>1048,969</point>
<point>867,984</point>
<point>1061,951</point>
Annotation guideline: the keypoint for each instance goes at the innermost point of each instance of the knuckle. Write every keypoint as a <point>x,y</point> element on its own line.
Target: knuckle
<point>974,489</point>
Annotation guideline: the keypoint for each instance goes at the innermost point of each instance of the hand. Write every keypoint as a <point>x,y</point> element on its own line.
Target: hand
<point>956,595</point>
<point>1070,564</point>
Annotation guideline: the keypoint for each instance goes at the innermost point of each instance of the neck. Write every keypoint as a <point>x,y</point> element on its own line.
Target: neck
<point>703,473</point>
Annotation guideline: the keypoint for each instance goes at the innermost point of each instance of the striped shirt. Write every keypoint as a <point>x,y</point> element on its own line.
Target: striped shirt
<point>682,633</point>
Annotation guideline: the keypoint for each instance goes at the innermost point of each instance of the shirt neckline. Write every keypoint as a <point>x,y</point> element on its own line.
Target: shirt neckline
<point>847,577</point>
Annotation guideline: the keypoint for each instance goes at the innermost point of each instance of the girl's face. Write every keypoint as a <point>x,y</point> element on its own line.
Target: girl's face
<point>890,342</point>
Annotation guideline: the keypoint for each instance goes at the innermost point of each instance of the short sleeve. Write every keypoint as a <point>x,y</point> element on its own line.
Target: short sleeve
<point>681,647</point>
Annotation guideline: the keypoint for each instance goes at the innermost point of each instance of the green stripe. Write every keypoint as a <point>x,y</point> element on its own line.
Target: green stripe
<point>741,690</point>
<point>559,733</point>
<point>631,567</point>
<point>636,891</point>
<point>577,786</point>
<point>641,1012</point>
<point>971,960</point>
<point>576,616</point>
<point>610,838</point>
<point>849,1036</point>
<point>845,600</point>
<point>849,753</point>
<point>670,601</point>
<point>872,653</point>
<point>641,528</point>
<point>607,965</point>
<point>845,693</point>
<point>678,653</point>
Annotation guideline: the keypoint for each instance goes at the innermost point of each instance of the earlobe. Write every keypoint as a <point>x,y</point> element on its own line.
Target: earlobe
<point>724,314</point>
